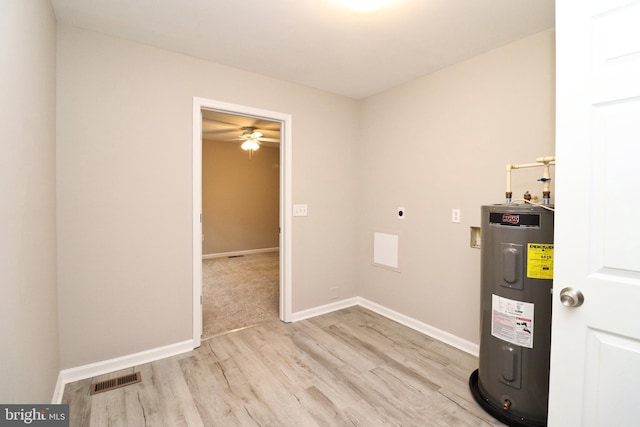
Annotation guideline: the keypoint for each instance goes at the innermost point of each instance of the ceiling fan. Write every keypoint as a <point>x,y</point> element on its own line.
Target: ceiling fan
<point>251,138</point>
<point>251,132</point>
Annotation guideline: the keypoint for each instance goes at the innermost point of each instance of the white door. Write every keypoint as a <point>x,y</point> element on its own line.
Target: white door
<point>595,347</point>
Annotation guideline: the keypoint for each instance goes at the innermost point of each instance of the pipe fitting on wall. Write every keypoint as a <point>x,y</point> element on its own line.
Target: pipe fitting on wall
<point>543,162</point>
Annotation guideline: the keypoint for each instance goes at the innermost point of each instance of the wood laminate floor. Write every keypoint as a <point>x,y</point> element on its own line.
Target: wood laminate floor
<point>347,368</point>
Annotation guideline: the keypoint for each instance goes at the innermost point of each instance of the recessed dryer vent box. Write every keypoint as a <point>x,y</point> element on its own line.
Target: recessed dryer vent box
<point>476,237</point>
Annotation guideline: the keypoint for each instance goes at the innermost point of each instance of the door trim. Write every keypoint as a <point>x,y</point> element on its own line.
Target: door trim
<point>285,204</point>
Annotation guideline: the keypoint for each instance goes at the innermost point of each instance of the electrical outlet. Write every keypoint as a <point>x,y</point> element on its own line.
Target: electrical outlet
<point>401,212</point>
<point>299,210</point>
<point>455,216</point>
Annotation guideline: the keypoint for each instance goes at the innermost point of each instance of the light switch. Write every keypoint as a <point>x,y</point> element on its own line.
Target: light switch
<point>299,210</point>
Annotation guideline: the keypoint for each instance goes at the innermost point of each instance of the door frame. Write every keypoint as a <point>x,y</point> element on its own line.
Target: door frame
<point>285,215</point>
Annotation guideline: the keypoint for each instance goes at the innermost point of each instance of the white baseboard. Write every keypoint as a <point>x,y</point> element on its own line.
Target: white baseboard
<point>323,309</point>
<point>103,367</point>
<point>239,253</point>
<point>431,331</point>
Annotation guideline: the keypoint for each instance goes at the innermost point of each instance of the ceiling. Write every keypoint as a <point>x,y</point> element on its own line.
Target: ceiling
<point>318,43</point>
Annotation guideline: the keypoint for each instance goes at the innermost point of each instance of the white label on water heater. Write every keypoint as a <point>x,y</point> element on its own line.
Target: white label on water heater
<point>512,321</point>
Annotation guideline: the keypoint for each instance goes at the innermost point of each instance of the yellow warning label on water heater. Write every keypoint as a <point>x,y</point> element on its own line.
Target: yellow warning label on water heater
<point>540,261</point>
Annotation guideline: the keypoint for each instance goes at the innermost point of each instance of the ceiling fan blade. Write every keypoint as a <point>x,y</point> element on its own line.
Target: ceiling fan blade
<point>269,139</point>
<point>220,136</point>
<point>225,118</point>
<point>212,125</point>
<point>230,133</point>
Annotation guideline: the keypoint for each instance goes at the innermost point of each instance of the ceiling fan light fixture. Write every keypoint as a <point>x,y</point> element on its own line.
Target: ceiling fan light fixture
<point>250,144</point>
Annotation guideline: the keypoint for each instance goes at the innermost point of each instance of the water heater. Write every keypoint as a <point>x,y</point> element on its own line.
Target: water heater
<point>512,380</point>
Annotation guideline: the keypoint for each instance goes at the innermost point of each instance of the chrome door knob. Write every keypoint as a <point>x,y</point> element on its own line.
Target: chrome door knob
<point>571,297</point>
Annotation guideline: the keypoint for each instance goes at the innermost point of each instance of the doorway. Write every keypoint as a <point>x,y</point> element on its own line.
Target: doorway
<point>240,221</point>
<point>201,109</point>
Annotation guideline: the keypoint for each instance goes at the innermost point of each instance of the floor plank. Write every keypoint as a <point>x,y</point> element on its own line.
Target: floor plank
<point>352,367</point>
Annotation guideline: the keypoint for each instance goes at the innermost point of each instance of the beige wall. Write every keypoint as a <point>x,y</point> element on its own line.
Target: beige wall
<point>442,142</point>
<point>28,307</point>
<point>240,198</point>
<point>124,216</point>
<point>125,191</point>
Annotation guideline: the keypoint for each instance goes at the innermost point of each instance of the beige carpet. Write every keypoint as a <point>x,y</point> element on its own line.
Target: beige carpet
<point>239,292</point>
